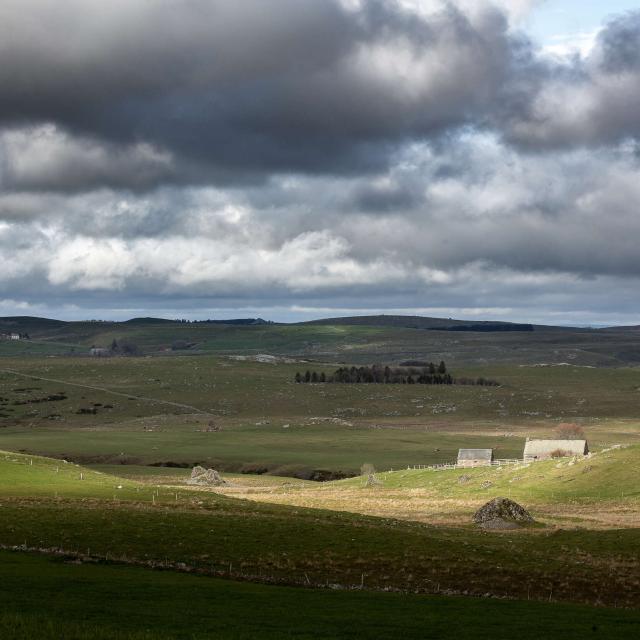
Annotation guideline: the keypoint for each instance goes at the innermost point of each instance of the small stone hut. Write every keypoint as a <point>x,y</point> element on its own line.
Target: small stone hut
<point>475,457</point>
<point>535,450</point>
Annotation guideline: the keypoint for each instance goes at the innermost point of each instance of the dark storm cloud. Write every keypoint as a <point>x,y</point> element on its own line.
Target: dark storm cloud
<point>258,85</point>
<point>217,90</point>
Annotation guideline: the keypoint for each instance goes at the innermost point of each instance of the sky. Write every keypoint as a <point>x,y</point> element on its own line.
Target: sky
<point>297,159</point>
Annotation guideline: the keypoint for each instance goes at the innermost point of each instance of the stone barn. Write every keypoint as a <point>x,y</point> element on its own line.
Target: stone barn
<point>544,449</point>
<point>475,457</point>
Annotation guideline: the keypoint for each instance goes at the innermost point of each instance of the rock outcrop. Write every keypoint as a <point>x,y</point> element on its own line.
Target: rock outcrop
<point>502,513</point>
<point>206,477</point>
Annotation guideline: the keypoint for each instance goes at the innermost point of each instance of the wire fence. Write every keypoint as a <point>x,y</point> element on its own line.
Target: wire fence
<point>467,465</point>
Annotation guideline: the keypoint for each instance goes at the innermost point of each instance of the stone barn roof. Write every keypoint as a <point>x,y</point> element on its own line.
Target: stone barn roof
<point>475,454</point>
<point>544,448</point>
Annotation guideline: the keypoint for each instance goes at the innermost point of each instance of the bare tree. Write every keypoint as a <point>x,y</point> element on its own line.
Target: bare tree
<point>569,431</point>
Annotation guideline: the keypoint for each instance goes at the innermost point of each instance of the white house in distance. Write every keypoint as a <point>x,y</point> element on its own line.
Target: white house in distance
<point>475,457</point>
<point>535,450</point>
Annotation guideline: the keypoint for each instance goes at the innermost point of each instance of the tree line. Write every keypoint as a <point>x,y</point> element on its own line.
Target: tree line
<point>378,374</point>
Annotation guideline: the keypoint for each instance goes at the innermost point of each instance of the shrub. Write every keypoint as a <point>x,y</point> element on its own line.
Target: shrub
<point>569,431</point>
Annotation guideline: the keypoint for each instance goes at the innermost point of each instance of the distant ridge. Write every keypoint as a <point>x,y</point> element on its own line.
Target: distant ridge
<point>235,321</point>
<point>35,324</point>
<point>422,322</point>
<point>238,321</point>
<point>26,322</point>
<point>148,320</point>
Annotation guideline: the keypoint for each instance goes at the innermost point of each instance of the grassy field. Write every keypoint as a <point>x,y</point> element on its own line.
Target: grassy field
<point>600,491</point>
<point>157,410</point>
<point>177,477</point>
<point>48,505</point>
<point>340,341</point>
<point>108,525</point>
<point>62,600</point>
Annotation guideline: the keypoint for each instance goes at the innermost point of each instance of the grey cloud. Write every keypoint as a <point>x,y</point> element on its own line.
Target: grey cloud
<point>206,153</point>
<point>386,198</point>
<point>234,91</point>
<point>530,215</point>
<point>619,44</point>
<point>581,102</point>
<point>302,85</point>
<point>43,158</point>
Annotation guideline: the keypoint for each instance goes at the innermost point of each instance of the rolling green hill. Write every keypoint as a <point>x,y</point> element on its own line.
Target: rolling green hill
<point>422,322</point>
<point>605,475</point>
<point>97,517</point>
<point>390,339</point>
<point>204,392</point>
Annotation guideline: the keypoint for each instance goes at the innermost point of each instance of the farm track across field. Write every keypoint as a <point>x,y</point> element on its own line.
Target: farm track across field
<point>115,393</point>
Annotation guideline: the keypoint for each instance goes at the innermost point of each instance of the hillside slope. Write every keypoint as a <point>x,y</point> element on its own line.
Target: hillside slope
<point>597,492</point>
<point>94,519</point>
<point>608,474</point>
<point>389,339</point>
<point>422,322</point>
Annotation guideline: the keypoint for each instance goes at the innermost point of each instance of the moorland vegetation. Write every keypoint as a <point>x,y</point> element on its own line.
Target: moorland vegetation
<point>389,550</point>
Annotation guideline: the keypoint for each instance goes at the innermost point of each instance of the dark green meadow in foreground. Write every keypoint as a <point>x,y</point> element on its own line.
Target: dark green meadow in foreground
<point>51,599</point>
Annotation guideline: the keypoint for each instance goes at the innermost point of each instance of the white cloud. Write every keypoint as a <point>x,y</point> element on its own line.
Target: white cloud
<point>44,157</point>
<point>564,47</point>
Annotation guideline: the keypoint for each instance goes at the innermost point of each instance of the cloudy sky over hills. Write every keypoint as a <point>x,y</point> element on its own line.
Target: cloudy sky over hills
<point>304,158</point>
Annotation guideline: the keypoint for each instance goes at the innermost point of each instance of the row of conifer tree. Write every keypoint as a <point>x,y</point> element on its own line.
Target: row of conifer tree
<point>378,374</point>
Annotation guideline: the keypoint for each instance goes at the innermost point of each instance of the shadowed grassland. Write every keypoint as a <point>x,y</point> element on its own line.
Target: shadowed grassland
<point>177,477</point>
<point>56,600</point>
<point>43,509</point>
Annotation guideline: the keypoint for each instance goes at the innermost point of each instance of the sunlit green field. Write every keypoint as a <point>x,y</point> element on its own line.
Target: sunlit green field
<point>158,410</point>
